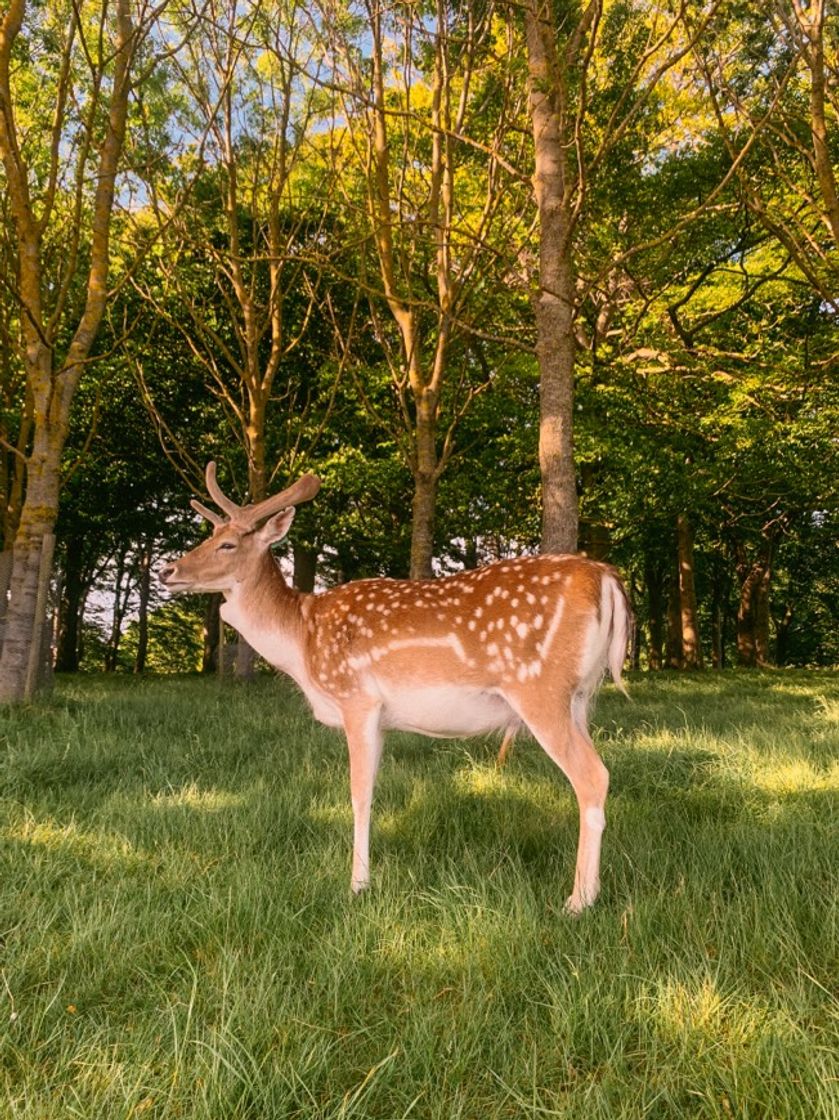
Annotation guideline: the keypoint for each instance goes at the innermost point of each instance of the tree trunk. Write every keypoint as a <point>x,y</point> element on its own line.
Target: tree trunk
<point>594,537</point>
<point>6,562</point>
<point>49,388</point>
<point>654,579</point>
<point>674,622</point>
<point>811,20</point>
<point>719,595</point>
<point>425,489</point>
<point>761,614</point>
<point>244,665</point>
<point>144,591</point>
<point>212,656</point>
<point>746,646</point>
<point>305,567</point>
<point>39,668</point>
<point>555,298</point>
<point>783,631</point>
<point>691,648</point>
<point>117,615</point>
<point>38,517</point>
<point>67,657</point>
<point>753,608</point>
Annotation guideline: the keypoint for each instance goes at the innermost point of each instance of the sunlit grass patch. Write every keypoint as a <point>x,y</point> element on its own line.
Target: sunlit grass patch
<point>696,1015</point>
<point>192,796</point>
<point>97,848</point>
<point>798,776</point>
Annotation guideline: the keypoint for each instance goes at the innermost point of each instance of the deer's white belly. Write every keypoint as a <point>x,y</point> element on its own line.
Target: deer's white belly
<point>444,711</point>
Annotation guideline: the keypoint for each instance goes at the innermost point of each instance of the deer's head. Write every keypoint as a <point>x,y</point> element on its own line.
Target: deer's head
<point>241,537</point>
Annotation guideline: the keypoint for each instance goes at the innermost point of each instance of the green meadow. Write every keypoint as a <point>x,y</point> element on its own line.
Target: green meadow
<point>178,937</point>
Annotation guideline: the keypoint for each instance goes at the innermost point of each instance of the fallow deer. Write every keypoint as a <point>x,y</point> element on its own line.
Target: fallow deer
<point>522,641</point>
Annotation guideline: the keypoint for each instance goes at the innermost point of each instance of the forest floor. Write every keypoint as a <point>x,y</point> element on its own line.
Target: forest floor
<point>177,937</point>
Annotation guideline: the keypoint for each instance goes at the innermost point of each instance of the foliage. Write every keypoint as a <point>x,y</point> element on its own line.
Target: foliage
<point>176,640</point>
<point>250,320</point>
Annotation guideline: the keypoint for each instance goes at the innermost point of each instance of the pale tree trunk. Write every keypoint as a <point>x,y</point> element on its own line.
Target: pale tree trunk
<point>560,41</point>
<point>691,648</point>
<point>39,668</point>
<point>555,298</point>
<point>6,559</point>
<point>24,618</point>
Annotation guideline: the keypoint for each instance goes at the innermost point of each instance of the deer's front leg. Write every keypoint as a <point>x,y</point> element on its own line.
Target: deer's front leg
<point>364,740</point>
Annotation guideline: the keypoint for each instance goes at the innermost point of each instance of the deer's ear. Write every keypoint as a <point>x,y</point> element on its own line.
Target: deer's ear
<point>276,527</point>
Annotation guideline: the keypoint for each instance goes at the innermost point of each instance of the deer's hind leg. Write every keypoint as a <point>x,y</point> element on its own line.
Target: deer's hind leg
<point>561,729</point>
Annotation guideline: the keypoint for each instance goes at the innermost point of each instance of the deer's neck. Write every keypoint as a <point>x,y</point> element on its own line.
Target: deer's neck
<point>270,617</point>
<point>267,613</point>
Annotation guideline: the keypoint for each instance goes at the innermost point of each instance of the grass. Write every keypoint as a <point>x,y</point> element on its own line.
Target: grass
<point>178,938</point>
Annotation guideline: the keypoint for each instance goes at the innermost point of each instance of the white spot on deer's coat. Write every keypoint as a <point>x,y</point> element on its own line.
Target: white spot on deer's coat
<point>544,646</point>
<point>522,629</point>
<point>450,640</point>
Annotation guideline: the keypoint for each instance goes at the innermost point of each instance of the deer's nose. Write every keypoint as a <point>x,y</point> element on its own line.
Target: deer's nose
<point>165,574</point>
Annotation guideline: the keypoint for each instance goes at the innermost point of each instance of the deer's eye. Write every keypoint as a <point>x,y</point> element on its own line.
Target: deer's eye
<point>225,545</point>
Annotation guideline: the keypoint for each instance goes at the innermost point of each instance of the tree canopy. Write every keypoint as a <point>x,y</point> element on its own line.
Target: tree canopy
<point>558,274</point>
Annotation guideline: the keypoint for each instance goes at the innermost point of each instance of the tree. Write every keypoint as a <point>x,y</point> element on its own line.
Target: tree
<point>594,76</point>
<point>780,67</point>
<point>59,133</point>
<point>428,191</point>
<point>233,275</point>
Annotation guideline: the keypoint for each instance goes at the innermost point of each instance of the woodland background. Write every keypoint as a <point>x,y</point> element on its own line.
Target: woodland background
<point>404,246</point>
